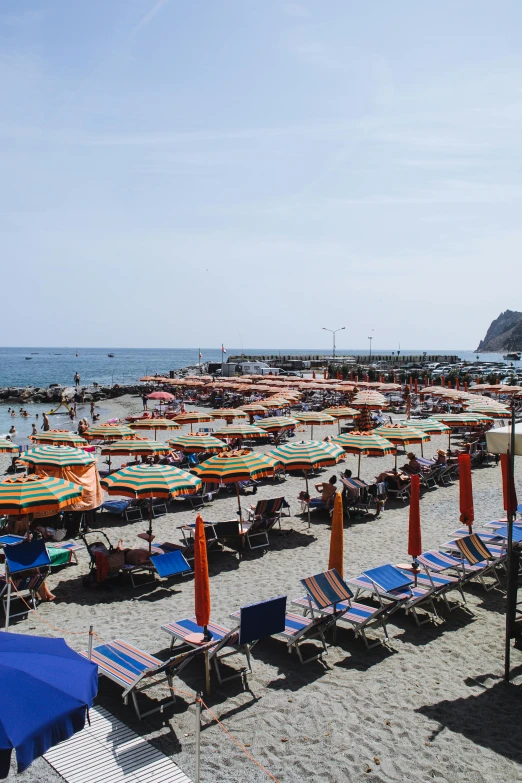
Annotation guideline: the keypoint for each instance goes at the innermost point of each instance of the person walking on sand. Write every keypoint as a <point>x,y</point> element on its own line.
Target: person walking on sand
<point>45,422</point>
<point>144,399</point>
<point>76,379</point>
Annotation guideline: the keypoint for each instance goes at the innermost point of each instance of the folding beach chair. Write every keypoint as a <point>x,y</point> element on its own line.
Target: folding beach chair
<point>136,671</point>
<point>327,594</point>
<point>27,563</point>
<point>389,583</point>
<point>130,509</point>
<point>169,562</point>
<point>256,621</point>
<point>298,630</point>
<point>475,552</point>
<point>395,490</point>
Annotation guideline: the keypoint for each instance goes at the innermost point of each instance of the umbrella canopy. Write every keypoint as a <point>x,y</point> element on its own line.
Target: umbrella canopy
<point>491,410</point>
<point>193,417</point>
<point>36,494</point>
<point>155,425</point>
<point>233,466</point>
<point>254,407</point>
<point>240,431</point>
<point>341,412</point>
<point>162,396</point>
<point>336,558</point>
<point>56,455</point>
<point>467,511</point>
<point>110,432</point>
<point>364,443</point>
<point>59,438</point>
<point>46,691</point>
<point>137,446</point>
<point>308,454</point>
<point>462,419</point>
<point>229,414</point>
<point>151,481</point>
<point>399,434</point>
<point>369,399</point>
<point>7,447</point>
<point>431,426</point>
<point>314,417</point>
<point>414,526</point>
<point>276,423</point>
<point>192,444</point>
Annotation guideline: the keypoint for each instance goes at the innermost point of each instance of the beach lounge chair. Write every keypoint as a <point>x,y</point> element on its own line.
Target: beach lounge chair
<point>136,671</point>
<point>262,518</point>
<point>474,551</point>
<point>256,621</point>
<point>435,561</point>
<point>27,563</point>
<point>168,561</point>
<point>389,583</point>
<point>130,509</point>
<point>327,594</point>
<point>440,584</point>
<point>397,490</point>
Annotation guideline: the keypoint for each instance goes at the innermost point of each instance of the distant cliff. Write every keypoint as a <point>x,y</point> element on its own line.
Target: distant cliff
<point>504,334</point>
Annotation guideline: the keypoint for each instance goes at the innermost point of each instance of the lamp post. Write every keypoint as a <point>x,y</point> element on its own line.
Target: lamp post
<point>334,331</point>
<point>370,339</point>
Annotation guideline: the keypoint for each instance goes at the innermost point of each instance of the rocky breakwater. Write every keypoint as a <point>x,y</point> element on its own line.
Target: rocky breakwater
<point>57,393</point>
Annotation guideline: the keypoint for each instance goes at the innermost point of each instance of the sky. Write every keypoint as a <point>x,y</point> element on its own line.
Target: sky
<point>248,172</point>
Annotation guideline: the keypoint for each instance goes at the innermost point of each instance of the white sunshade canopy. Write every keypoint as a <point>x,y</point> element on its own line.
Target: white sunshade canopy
<point>498,440</point>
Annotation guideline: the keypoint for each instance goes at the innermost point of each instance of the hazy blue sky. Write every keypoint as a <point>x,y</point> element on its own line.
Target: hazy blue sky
<point>183,173</point>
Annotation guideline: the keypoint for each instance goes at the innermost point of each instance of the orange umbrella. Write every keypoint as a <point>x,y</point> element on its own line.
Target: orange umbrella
<point>337,537</point>
<point>202,587</point>
<point>414,527</point>
<point>467,512</point>
<point>508,486</point>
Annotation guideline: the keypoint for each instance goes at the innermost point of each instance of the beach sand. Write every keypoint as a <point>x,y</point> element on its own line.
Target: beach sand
<point>430,707</point>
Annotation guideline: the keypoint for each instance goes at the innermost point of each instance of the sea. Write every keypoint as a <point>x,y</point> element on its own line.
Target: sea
<point>41,367</point>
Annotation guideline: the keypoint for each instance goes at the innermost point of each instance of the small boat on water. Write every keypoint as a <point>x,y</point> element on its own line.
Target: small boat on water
<point>514,356</point>
<point>110,355</point>
<point>29,357</point>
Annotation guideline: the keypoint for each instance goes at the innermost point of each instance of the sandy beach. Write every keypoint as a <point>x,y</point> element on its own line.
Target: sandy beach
<point>429,707</point>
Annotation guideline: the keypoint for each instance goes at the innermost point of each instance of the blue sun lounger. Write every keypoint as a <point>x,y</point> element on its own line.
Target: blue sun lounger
<point>167,564</point>
<point>256,621</point>
<point>389,583</point>
<point>27,563</point>
<point>328,594</point>
<point>136,671</point>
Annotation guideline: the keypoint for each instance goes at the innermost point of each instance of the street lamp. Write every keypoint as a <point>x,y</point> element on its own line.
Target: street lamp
<point>333,331</point>
<point>370,339</point>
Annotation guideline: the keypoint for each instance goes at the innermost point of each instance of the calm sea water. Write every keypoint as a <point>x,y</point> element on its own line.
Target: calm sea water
<point>58,365</point>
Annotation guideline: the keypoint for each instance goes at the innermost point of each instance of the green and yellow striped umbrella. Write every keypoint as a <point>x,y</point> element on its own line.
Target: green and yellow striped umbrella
<point>110,432</point>
<point>341,412</point>
<point>193,417</point>
<point>364,443</point>
<point>312,418</point>
<point>37,495</point>
<point>229,414</point>
<point>240,431</point>
<point>151,481</point>
<point>254,407</point>
<point>59,438</point>
<point>276,423</point>
<point>462,419</point>
<point>193,444</point>
<point>137,446</point>
<point>401,435</point>
<point>7,447</point>
<point>155,424</point>
<point>229,467</point>
<point>63,456</point>
<point>492,410</point>
<point>276,402</point>
<point>431,426</point>
<point>308,455</point>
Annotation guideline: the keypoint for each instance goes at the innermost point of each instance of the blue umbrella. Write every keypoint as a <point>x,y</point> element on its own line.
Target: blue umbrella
<point>46,689</point>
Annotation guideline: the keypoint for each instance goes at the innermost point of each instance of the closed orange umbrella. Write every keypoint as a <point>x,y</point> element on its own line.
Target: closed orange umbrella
<point>467,512</point>
<point>508,486</point>
<point>414,527</point>
<point>202,587</point>
<point>337,537</point>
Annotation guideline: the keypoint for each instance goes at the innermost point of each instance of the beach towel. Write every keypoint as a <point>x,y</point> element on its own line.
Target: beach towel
<point>85,475</point>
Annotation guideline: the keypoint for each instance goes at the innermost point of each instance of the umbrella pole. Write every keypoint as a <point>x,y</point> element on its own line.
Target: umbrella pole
<point>150,525</point>
<point>239,502</point>
<point>359,466</point>
<point>422,449</point>
<point>308,505</point>
<point>396,458</point>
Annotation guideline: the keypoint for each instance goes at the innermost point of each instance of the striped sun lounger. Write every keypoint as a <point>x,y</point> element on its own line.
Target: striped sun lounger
<point>256,621</point>
<point>136,671</point>
<point>388,583</point>
<point>475,551</point>
<point>329,595</point>
<point>441,584</point>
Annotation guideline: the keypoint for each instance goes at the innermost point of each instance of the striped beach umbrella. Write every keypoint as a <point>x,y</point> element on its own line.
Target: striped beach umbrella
<point>312,418</point>
<point>462,419</point>
<point>401,435</point>
<point>151,481</point>
<point>229,414</point>
<point>431,426</point>
<point>230,467</point>
<point>110,432</point>
<point>341,412</point>
<point>63,456</point>
<point>7,447</point>
<point>240,431</point>
<point>59,438</point>
<point>193,417</point>
<point>193,444</point>
<point>276,423</point>
<point>364,443</point>
<point>492,410</point>
<point>37,494</point>
<point>308,455</point>
<point>254,407</point>
<point>154,424</point>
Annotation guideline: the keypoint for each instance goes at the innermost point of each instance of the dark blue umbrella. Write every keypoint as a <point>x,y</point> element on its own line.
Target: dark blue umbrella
<point>45,691</point>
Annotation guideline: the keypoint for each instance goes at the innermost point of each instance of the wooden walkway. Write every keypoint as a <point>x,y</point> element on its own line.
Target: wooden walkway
<point>108,751</point>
